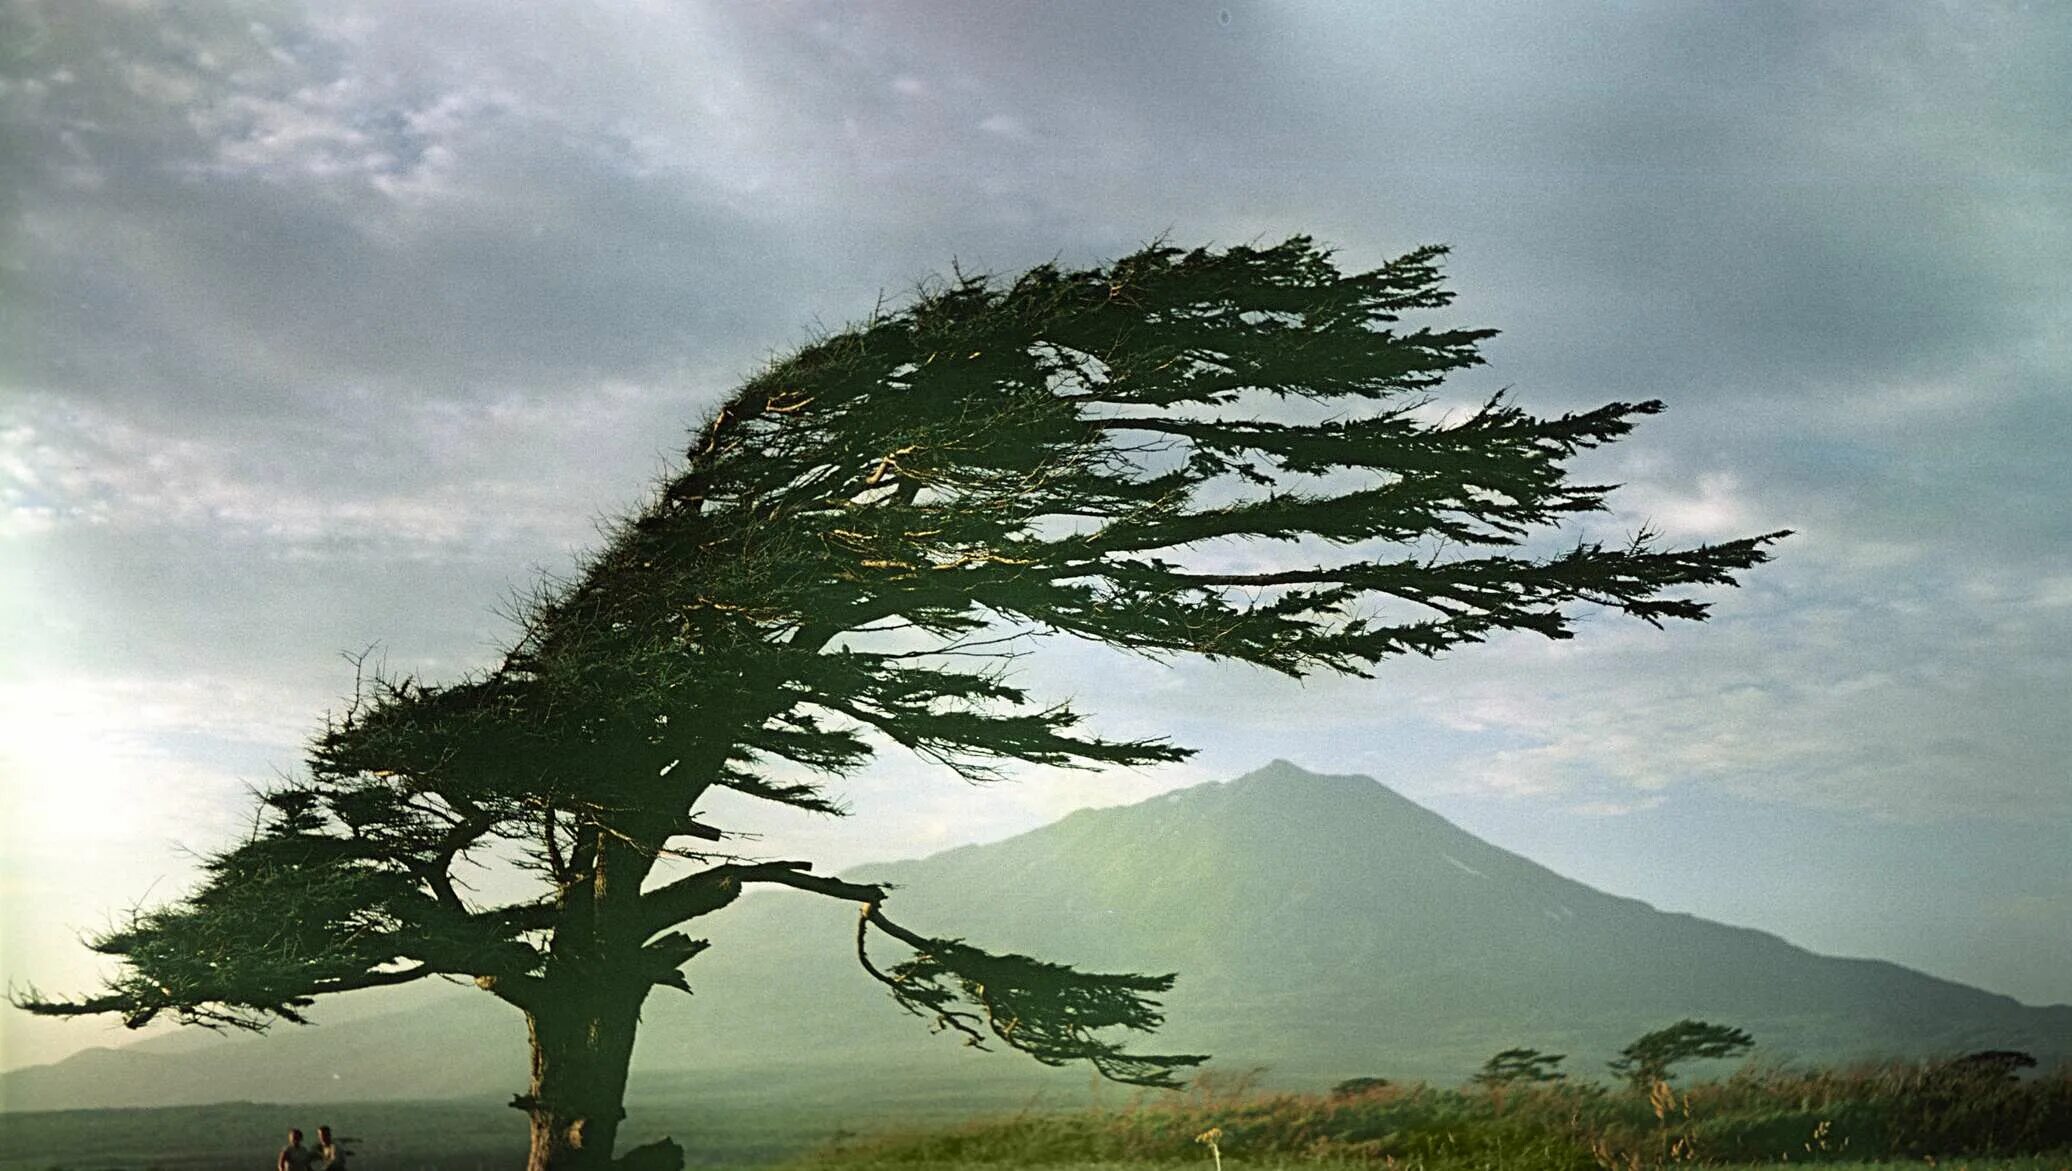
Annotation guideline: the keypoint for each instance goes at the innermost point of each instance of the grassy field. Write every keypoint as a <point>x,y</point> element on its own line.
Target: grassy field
<point>452,1136</point>
<point>1920,1116</point>
<point>723,1122</point>
<point>2061,1162</point>
<point>1944,1115</point>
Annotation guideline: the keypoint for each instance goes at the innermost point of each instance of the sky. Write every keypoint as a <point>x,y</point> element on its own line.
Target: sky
<point>327,329</point>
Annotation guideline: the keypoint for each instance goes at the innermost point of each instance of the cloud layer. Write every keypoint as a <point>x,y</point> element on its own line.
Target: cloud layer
<point>331,326</point>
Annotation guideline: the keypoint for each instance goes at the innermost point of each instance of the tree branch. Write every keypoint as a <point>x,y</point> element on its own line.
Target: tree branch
<point>1051,1012</point>
<point>716,887</point>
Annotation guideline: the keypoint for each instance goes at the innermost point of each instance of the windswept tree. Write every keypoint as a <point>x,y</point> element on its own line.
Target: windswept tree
<point>1228,454</point>
<point>1514,1066</point>
<point>1986,1067</point>
<point>1648,1060</point>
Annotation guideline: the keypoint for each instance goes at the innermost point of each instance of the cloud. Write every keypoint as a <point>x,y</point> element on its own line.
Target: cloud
<point>326,214</point>
<point>372,237</point>
<point>334,325</point>
<point>440,476</point>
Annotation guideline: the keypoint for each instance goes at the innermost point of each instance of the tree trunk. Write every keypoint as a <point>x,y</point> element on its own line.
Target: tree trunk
<point>582,1017</point>
<point>581,1045</point>
<point>580,1052</point>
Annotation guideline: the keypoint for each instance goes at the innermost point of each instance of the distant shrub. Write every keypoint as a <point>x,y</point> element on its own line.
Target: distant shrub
<point>1974,1106</point>
<point>1997,1065</point>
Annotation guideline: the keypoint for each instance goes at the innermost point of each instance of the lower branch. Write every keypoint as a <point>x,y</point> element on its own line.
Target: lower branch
<point>1050,1011</point>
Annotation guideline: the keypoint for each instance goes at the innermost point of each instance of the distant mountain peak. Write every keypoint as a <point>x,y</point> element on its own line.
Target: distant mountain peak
<point>1281,768</point>
<point>1278,766</point>
<point>1281,771</point>
<point>1281,780</point>
<point>1322,924</point>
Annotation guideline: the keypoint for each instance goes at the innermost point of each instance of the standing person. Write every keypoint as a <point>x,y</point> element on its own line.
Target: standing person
<point>331,1149</point>
<point>295,1156</point>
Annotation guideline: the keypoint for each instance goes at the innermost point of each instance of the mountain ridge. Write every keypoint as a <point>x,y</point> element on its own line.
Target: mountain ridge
<point>1323,925</point>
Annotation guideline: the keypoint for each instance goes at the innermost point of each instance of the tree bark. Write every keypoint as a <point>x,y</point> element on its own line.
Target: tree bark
<point>582,1042</point>
<point>583,1013</point>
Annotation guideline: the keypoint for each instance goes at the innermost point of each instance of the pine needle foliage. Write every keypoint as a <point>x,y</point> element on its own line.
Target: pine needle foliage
<point>1228,454</point>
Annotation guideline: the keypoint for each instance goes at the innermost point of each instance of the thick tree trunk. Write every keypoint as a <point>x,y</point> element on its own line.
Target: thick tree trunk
<point>582,1016</point>
<point>580,1049</point>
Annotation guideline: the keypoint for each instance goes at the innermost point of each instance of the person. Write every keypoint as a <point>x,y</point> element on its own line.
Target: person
<point>331,1149</point>
<point>295,1156</point>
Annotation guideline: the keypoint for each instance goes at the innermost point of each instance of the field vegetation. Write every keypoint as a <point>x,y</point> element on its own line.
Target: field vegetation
<point>1974,1116</point>
<point>1951,1113</point>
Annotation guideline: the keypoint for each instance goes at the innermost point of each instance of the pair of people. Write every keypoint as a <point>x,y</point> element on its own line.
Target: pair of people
<point>328,1155</point>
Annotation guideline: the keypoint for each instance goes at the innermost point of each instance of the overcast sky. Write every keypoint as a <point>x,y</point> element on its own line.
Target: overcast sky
<point>328,328</point>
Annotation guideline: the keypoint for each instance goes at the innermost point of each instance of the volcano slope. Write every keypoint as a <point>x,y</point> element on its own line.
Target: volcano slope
<point>1322,926</point>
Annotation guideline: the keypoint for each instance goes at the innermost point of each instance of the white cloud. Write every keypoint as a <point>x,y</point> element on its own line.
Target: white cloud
<point>1616,808</point>
<point>1716,508</point>
<point>1006,126</point>
<point>1795,703</point>
<point>73,750</point>
<point>447,479</point>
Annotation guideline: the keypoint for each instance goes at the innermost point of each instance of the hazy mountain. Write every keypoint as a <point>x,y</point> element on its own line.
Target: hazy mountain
<point>1323,926</point>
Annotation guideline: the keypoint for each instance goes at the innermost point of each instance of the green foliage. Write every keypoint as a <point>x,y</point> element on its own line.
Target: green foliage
<point>1048,1011</point>
<point>1649,1059</point>
<point>1520,1065</point>
<point>1974,1104</point>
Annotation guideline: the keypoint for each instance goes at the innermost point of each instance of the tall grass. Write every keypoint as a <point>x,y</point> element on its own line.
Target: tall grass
<point>1921,1113</point>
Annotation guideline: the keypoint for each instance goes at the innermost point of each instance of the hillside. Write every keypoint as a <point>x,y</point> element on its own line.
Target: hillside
<point>1323,926</point>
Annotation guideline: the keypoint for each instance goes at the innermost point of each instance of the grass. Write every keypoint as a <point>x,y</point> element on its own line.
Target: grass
<point>1925,1115</point>
<point>1885,1116</point>
<point>2060,1162</point>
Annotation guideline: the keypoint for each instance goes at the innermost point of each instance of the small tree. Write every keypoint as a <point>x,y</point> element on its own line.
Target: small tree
<point>1520,1065</point>
<point>1648,1060</point>
<point>1213,453</point>
<point>1989,1066</point>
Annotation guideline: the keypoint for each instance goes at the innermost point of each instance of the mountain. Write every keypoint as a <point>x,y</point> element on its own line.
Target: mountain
<point>1323,926</point>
